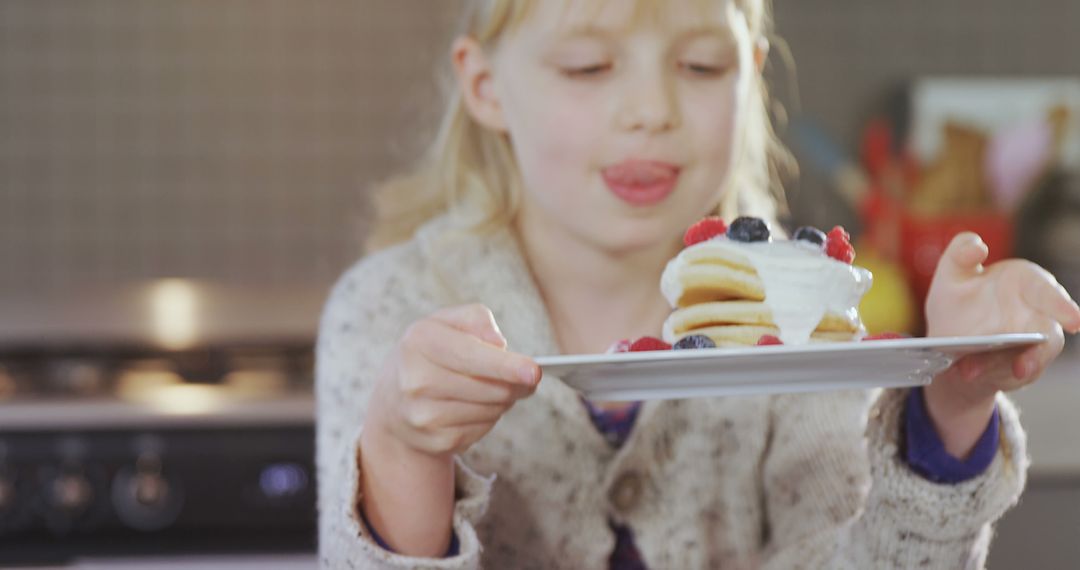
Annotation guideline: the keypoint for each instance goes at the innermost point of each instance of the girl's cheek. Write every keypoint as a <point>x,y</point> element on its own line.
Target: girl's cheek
<point>711,121</point>
<point>565,131</point>
<point>575,111</point>
<point>548,144</point>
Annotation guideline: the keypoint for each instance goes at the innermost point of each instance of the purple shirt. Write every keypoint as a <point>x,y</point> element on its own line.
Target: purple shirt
<point>925,453</point>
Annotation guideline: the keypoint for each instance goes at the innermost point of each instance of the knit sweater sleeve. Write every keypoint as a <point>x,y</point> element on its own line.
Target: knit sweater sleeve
<point>840,497</point>
<point>366,313</point>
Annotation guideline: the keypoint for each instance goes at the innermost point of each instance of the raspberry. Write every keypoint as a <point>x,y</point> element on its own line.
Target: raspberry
<point>648,343</point>
<point>694,341</point>
<point>704,229</point>
<point>620,346</point>
<point>884,336</point>
<point>768,340</point>
<point>838,245</point>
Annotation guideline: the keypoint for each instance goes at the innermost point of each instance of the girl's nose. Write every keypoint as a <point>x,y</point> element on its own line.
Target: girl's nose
<point>649,104</point>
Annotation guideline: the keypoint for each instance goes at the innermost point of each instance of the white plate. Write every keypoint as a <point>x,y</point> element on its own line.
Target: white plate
<point>671,374</point>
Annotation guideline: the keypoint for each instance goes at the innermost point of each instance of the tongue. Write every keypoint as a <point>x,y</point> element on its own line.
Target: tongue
<point>638,174</point>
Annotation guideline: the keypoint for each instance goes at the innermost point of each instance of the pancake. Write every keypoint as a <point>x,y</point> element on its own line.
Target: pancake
<point>718,313</point>
<point>702,283</point>
<point>735,290</point>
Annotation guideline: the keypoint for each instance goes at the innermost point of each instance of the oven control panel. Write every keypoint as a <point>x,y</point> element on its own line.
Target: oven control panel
<point>108,492</point>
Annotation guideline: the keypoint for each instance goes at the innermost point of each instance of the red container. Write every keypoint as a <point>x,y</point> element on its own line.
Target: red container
<point>923,239</point>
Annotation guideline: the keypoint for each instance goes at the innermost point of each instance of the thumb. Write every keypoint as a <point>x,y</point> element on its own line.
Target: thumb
<point>963,257</point>
<point>475,319</point>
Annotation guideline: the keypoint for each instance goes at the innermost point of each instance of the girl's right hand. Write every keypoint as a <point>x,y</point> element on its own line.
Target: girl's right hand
<point>443,387</point>
<point>448,381</point>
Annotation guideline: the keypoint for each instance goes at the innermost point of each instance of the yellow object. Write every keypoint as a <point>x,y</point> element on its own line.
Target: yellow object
<point>889,306</point>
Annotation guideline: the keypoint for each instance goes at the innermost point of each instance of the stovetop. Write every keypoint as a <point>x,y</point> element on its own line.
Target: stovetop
<point>124,452</point>
<point>160,419</point>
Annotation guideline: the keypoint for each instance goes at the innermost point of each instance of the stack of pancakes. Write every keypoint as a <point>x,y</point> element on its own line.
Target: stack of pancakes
<point>716,292</point>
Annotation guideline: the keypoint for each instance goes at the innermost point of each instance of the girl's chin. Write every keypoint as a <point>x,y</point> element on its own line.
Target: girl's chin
<point>612,231</point>
<point>634,236</point>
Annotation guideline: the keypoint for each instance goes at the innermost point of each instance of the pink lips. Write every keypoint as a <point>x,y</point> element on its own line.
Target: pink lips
<point>641,182</point>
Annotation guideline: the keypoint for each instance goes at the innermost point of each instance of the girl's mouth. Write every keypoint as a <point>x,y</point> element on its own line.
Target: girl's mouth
<point>641,182</point>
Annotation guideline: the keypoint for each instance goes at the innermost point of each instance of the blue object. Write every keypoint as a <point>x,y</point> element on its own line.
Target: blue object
<point>694,341</point>
<point>810,234</point>
<point>926,453</point>
<point>748,229</point>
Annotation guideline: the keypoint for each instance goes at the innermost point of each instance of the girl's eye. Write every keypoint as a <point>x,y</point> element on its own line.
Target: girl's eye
<point>702,69</point>
<point>587,70</point>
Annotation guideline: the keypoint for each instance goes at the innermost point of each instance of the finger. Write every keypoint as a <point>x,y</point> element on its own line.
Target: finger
<point>1043,293</point>
<point>1031,362</point>
<point>465,354</point>
<point>475,319</point>
<point>432,415</point>
<point>439,384</point>
<point>963,257</point>
<point>987,364</point>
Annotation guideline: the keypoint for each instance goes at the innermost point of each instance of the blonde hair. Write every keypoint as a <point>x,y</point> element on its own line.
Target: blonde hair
<point>470,170</point>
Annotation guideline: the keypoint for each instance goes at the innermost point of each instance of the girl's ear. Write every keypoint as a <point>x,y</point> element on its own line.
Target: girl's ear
<point>761,52</point>
<point>475,82</point>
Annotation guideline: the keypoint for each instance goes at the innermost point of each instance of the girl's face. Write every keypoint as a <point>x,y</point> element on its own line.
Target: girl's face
<point>623,130</point>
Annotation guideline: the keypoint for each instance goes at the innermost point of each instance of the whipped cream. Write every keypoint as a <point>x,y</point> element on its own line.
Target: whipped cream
<point>801,283</point>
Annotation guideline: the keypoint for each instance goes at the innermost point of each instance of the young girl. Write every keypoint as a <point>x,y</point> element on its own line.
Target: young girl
<point>583,139</point>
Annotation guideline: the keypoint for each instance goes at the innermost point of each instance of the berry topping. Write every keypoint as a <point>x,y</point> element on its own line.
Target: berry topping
<point>748,229</point>
<point>704,229</point>
<point>838,245</point>
<point>810,234</point>
<point>768,340</point>
<point>694,341</point>
<point>648,343</point>
<point>620,346</point>
<point>884,336</point>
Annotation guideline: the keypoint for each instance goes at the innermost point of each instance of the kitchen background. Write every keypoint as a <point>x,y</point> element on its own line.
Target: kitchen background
<point>215,154</point>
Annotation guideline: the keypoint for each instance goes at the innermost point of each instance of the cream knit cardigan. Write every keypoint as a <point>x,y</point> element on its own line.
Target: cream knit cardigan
<point>772,482</point>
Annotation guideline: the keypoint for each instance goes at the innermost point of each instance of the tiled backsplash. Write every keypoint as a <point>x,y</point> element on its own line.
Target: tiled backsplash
<point>850,54</point>
<point>233,139</point>
<point>221,139</point>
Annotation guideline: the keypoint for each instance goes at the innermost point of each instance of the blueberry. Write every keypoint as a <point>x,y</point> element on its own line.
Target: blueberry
<point>810,234</point>
<point>748,229</point>
<point>694,341</point>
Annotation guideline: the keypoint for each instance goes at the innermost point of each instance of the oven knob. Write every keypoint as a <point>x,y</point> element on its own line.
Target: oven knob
<point>146,499</point>
<point>71,492</point>
<point>151,490</point>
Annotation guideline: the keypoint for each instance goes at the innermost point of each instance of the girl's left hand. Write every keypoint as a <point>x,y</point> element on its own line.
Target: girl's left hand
<point>967,298</point>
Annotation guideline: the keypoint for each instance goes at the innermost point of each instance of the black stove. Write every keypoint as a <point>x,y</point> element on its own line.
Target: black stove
<point>123,446</point>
